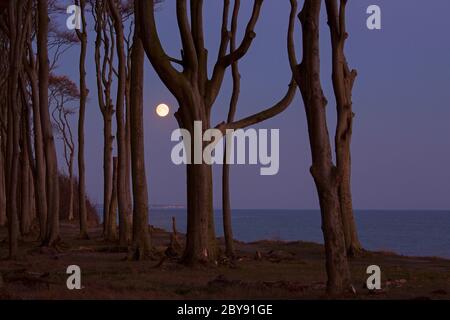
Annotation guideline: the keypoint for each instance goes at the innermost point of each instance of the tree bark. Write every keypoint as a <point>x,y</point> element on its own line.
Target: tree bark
<point>201,243</point>
<point>343,80</point>
<point>2,184</point>
<point>325,174</point>
<point>123,191</point>
<point>25,195</point>
<point>40,181</point>
<point>16,51</point>
<point>141,236</point>
<point>52,181</point>
<point>111,228</point>
<point>226,205</point>
<point>107,173</point>
<point>71,191</point>
<point>82,211</point>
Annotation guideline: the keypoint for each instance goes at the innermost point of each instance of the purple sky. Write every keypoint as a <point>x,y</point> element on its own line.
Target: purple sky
<point>401,145</point>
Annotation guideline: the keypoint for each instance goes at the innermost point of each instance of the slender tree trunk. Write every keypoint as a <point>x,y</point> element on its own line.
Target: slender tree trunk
<point>52,236</point>
<point>111,228</point>
<point>25,196</point>
<point>13,154</point>
<point>122,192</point>
<point>13,179</point>
<point>107,170</point>
<point>2,186</point>
<point>343,80</point>
<point>40,181</point>
<point>15,16</point>
<point>83,96</point>
<point>325,174</point>
<point>141,237</point>
<point>226,206</point>
<point>71,191</point>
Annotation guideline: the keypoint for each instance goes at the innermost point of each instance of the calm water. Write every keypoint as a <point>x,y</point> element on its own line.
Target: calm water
<point>414,233</point>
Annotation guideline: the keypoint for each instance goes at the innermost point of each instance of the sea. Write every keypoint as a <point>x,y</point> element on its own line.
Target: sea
<point>405,232</point>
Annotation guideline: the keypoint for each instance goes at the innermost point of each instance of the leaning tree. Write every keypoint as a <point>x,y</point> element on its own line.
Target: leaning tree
<point>196,93</point>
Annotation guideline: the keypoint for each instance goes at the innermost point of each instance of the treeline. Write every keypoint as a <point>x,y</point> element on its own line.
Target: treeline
<point>125,34</point>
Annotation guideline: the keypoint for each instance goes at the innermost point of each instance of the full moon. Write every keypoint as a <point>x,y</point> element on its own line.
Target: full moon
<point>162,110</point>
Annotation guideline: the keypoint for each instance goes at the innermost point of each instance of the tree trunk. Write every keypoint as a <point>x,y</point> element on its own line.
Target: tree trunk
<point>82,212</point>
<point>111,228</point>
<point>71,191</point>
<point>123,191</point>
<point>307,76</point>
<point>343,80</point>
<point>25,195</point>
<point>200,239</point>
<point>226,208</point>
<point>52,236</point>
<point>352,243</point>
<point>13,177</point>
<point>107,170</point>
<point>40,181</point>
<point>2,186</point>
<point>141,237</point>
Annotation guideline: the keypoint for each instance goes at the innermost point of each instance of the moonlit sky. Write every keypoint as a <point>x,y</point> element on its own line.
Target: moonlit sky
<point>401,139</point>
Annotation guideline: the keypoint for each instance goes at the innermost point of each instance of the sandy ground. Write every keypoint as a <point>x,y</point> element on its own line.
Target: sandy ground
<point>264,270</point>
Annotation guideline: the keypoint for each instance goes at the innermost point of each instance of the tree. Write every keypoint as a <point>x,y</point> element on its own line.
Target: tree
<point>141,237</point>
<point>104,56</point>
<point>4,70</point>
<point>196,94</point>
<point>62,91</point>
<point>343,79</point>
<point>82,36</point>
<point>226,206</point>
<point>18,17</point>
<point>31,70</point>
<point>123,190</point>
<point>26,159</point>
<point>52,180</point>
<point>326,175</point>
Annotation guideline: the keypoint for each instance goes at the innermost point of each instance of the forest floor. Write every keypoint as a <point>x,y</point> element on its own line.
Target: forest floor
<point>264,270</point>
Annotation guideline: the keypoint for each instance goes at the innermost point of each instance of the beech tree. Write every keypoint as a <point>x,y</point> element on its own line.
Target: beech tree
<point>328,177</point>
<point>62,90</point>
<point>31,69</point>
<point>141,236</point>
<point>4,70</point>
<point>196,93</point>
<point>104,59</point>
<point>84,92</point>
<point>226,205</point>
<point>19,15</point>
<point>123,191</point>
<point>27,203</point>
<point>343,79</point>
<point>51,161</point>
